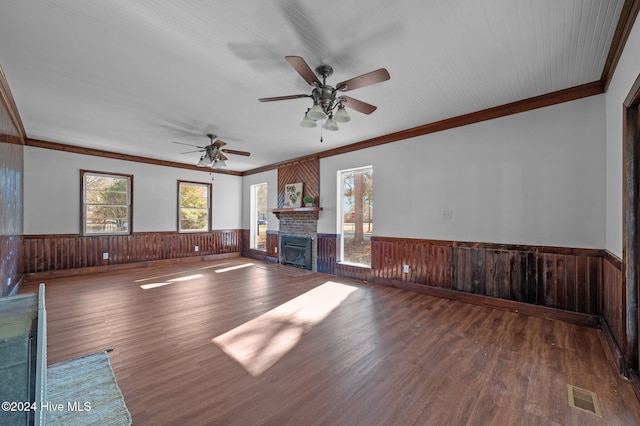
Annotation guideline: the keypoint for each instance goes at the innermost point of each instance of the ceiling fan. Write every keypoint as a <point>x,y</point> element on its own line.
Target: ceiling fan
<point>327,104</point>
<point>213,153</point>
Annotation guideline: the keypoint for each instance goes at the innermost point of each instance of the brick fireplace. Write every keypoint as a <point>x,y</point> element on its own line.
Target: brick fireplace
<point>295,224</point>
<point>299,221</point>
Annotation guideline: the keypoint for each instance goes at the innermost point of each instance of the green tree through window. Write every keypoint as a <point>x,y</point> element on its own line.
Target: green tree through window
<point>356,202</point>
<point>106,203</point>
<point>194,207</point>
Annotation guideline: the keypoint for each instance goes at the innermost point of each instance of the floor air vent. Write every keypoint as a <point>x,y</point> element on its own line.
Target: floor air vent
<point>584,400</point>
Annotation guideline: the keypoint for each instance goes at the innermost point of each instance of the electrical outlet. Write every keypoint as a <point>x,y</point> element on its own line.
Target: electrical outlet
<point>105,256</point>
<point>275,249</point>
<point>447,214</point>
<point>197,248</point>
<point>405,269</point>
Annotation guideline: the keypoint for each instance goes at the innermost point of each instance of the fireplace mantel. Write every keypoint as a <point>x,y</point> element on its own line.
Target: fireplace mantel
<point>288,210</point>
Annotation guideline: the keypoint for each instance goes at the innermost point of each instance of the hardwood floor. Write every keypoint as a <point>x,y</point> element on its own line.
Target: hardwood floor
<point>382,356</point>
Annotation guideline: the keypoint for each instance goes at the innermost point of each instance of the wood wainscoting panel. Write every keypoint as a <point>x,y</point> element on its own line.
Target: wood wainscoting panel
<point>11,193</point>
<point>354,272</point>
<point>269,255</point>
<point>47,253</point>
<point>273,242</point>
<point>505,274</point>
<point>245,236</point>
<point>327,252</point>
<point>614,300</point>
<point>570,282</point>
<point>10,268</point>
<point>429,261</point>
<point>556,277</point>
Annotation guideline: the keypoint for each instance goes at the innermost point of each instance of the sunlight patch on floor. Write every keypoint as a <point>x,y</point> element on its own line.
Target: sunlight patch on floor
<point>215,266</point>
<point>233,268</point>
<point>261,342</point>
<point>157,277</point>
<point>153,285</point>
<point>171,281</point>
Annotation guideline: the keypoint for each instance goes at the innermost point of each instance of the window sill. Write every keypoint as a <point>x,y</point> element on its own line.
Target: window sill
<point>357,265</point>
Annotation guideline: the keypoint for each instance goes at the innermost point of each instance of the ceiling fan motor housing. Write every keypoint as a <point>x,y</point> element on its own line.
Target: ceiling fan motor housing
<point>211,152</point>
<point>325,96</point>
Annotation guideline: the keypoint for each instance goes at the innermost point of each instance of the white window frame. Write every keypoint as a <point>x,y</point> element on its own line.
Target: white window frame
<point>253,216</point>
<point>341,213</point>
<point>106,230</point>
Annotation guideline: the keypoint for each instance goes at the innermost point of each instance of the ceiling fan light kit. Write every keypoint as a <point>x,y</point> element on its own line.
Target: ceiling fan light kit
<point>326,105</point>
<point>331,125</point>
<point>213,153</point>
<point>307,122</point>
<point>317,113</point>
<point>218,163</point>
<point>341,116</point>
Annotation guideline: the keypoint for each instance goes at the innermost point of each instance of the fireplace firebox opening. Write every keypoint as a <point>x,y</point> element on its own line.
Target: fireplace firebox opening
<point>296,251</point>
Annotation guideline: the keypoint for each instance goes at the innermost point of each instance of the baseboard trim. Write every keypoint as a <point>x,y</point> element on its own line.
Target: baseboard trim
<point>613,350</point>
<point>586,320</point>
<point>260,256</point>
<point>39,276</point>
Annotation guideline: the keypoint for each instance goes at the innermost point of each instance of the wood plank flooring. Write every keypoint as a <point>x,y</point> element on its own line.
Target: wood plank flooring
<point>383,356</point>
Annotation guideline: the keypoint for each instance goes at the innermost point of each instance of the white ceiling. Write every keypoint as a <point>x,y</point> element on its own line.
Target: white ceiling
<point>131,76</point>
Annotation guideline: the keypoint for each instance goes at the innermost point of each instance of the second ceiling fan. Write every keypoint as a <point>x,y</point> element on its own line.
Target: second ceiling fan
<point>213,153</point>
<point>327,104</point>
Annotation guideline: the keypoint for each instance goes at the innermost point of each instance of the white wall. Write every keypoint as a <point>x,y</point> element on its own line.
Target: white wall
<point>625,75</point>
<point>52,192</point>
<point>271,179</point>
<point>531,178</point>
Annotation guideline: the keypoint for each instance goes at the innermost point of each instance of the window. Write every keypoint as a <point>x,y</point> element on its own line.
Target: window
<point>258,229</point>
<point>106,203</point>
<point>355,221</point>
<point>194,207</point>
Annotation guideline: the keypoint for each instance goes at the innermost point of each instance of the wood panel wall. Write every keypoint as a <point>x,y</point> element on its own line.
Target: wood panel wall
<point>614,300</point>
<point>47,253</point>
<point>327,253</point>
<point>269,255</point>
<point>563,278</point>
<point>11,198</point>
<point>273,241</point>
<point>11,211</point>
<point>306,171</point>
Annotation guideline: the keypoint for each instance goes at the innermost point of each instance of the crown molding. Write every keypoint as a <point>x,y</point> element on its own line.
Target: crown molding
<point>627,18</point>
<point>118,156</point>
<point>10,104</point>
<point>566,95</point>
